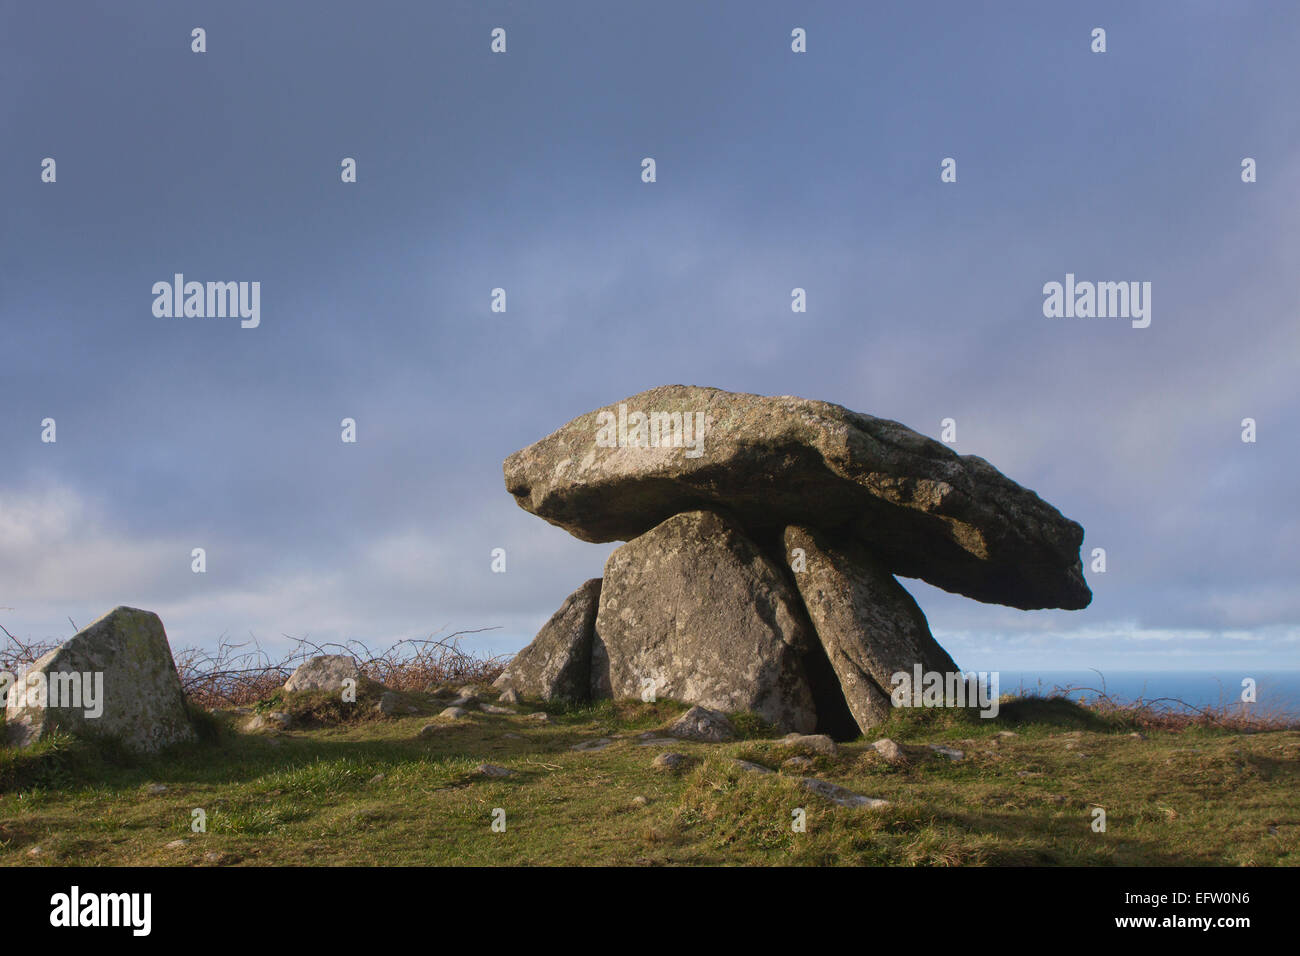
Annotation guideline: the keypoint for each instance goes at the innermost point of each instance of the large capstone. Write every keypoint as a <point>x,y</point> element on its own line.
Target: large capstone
<point>922,510</point>
<point>694,611</point>
<point>114,679</point>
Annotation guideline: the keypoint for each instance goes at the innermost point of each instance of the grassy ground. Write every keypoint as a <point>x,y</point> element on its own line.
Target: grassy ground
<point>377,792</point>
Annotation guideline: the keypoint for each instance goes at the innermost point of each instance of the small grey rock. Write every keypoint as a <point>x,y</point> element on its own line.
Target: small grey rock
<point>751,767</point>
<point>700,723</point>
<point>274,722</point>
<point>840,795</point>
<point>797,764</point>
<point>453,712</point>
<point>890,750</point>
<point>493,709</point>
<point>589,745</point>
<point>509,696</point>
<point>492,770</point>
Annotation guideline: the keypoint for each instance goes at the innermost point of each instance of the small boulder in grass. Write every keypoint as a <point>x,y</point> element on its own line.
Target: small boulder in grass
<point>453,713</point>
<point>702,724</point>
<point>890,751</point>
<point>273,721</point>
<point>330,673</point>
<point>670,762</point>
<point>750,767</point>
<point>492,770</point>
<point>797,764</point>
<point>508,696</point>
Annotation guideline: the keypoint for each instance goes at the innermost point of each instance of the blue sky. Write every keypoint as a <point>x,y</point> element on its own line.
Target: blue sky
<point>775,170</point>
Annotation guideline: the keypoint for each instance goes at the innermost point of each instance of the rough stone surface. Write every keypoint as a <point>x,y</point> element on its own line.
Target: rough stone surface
<point>455,713</point>
<point>143,704</point>
<point>325,673</point>
<point>840,795</point>
<point>695,607</point>
<point>926,512</point>
<point>700,723</point>
<point>750,767</point>
<point>492,770</point>
<point>509,696</point>
<point>275,722</point>
<point>890,750</point>
<point>868,625</point>
<point>557,664</point>
<point>797,764</point>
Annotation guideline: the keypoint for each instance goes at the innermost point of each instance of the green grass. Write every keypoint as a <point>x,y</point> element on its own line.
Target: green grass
<point>373,791</point>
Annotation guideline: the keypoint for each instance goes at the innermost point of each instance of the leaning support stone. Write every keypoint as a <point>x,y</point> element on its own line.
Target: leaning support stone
<point>557,664</point>
<point>870,627</point>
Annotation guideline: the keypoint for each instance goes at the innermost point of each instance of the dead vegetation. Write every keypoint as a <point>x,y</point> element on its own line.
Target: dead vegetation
<point>242,674</point>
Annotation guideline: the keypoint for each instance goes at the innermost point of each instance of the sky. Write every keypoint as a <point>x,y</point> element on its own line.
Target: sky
<point>522,170</point>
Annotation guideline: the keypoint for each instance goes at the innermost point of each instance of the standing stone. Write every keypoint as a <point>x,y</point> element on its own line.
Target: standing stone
<point>870,627</point>
<point>694,611</point>
<point>925,511</point>
<point>142,705</point>
<point>557,664</point>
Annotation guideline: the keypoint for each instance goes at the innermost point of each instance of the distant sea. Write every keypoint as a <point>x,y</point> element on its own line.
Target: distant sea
<point>1276,692</point>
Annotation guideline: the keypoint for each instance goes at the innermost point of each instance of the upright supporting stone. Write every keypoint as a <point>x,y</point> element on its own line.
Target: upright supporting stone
<point>693,610</point>
<point>871,627</point>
